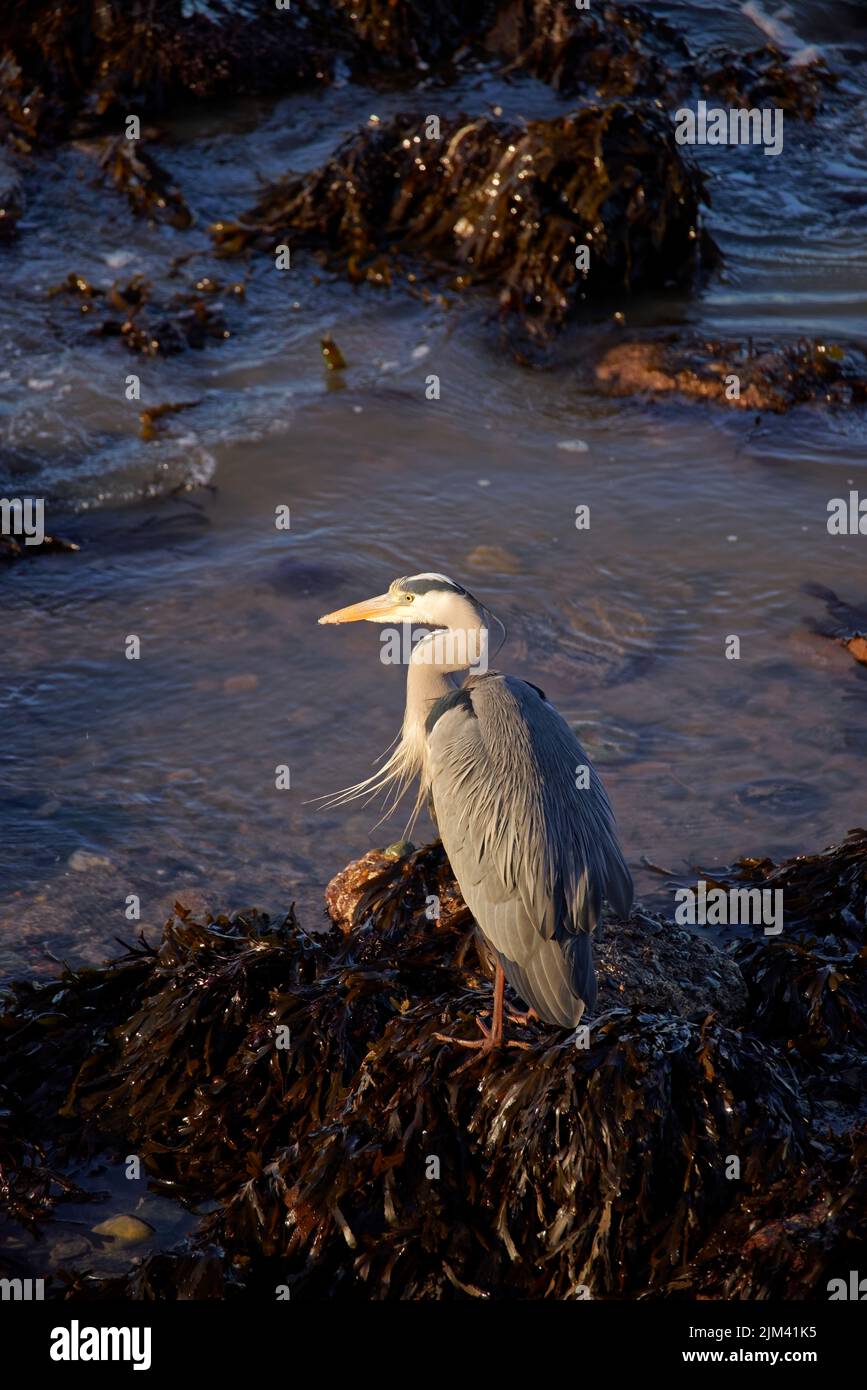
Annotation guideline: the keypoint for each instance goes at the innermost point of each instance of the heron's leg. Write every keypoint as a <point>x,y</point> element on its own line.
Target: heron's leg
<point>492,1038</point>
<point>497,1020</point>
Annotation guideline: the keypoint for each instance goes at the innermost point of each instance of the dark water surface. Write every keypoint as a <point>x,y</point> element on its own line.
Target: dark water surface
<point>704,524</point>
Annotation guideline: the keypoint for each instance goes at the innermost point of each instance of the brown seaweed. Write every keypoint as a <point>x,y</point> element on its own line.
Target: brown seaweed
<point>612,51</point>
<point>147,186</point>
<point>499,204</point>
<point>93,61</point>
<point>14,549</point>
<point>153,413</point>
<point>618,51</point>
<point>808,987</point>
<point>298,1079</point>
<point>145,324</point>
<point>763,77</point>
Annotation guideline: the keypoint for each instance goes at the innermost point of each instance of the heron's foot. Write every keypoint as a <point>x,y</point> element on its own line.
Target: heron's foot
<point>522,1019</point>
<point>482,1047</point>
<point>487,1043</point>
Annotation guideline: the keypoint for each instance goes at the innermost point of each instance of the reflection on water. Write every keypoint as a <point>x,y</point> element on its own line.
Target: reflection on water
<point>156,777</point>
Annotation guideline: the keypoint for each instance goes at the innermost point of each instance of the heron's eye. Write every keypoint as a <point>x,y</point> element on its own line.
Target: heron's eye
<point>408,598</point>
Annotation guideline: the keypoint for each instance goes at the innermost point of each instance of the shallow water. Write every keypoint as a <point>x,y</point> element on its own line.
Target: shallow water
<point>703,524</point>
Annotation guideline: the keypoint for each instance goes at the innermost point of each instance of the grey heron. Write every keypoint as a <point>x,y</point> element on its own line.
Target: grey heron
<point>522,814</point>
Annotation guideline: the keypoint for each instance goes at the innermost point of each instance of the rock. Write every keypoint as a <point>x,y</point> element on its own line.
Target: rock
<point>598,1160</point>
<point>494,559</point>
<point>500,204</point>
<point>84,861</point>
<point>399,850</point>
<point>667,972</point>
<point>846,623</point>
<point>125,1229</point>
<point>771,376</point>
<point>70,1248</point>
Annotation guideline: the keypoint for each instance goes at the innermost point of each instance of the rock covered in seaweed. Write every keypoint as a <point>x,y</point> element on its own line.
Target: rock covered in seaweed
<point>771,376</point>
<point>808,990</point>
<point>83,61</point>
<point>610,50</point>
<point>499,204</point>
<point>642,963</point>
<point>353,1160</point>
<point>624,50</point>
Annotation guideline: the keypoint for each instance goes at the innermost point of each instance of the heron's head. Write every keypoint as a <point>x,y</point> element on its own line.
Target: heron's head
<point>427,600</point>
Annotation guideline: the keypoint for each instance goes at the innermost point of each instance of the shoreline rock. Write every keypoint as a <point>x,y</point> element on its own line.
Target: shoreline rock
<point>492,203</point>
<point>359,1161</point>
<point>771,376</point>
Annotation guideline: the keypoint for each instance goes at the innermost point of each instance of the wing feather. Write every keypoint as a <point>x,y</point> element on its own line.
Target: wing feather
<point>534,852</point>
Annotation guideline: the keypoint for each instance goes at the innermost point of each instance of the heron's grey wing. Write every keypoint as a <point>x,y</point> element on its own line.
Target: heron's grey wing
<point>534,850</point>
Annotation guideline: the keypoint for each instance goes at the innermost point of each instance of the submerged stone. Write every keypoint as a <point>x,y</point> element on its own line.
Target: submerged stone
<point>125,1229</point>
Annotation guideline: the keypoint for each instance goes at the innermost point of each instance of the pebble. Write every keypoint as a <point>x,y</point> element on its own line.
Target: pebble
<point>127,1230</point>
<point>82,861</point>
<point>234,685</point>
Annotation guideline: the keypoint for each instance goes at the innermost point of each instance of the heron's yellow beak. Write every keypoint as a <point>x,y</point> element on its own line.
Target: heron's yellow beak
<point>374,610</point>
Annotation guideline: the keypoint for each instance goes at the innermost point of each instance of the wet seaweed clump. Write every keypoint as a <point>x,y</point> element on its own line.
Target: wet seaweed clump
<point>764,77</point>
<point>808,989</point>
<point>130,312</point>
<point>18,548</point>
<point>491,203</point>
<point>399,38</point>
<point>769,376</point>
<point>624,51</point>
<point>613,51</point>
<point>296,1083</point>
<point>87,61</point>
<point>147,186</point>
<point>29,1187</point>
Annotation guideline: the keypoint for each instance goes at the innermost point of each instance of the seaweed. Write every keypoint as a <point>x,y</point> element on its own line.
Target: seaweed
<point>771,376</point>
<point>146,184</point>
<point>296,1080</point>
<point>622,51</point>
<point>788,1241</point>
<point>493,203</point>
<point>764,77</point>
<point>92,61</point>
<point>12,549</point>
<point>612,51</point>
<point>29,1187</point>
<point>153,413</point>
<point>145,325</point>
<point>808,988</point>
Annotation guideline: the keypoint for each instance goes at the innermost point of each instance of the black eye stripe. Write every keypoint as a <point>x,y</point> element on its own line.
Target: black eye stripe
<point>427,586</point>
